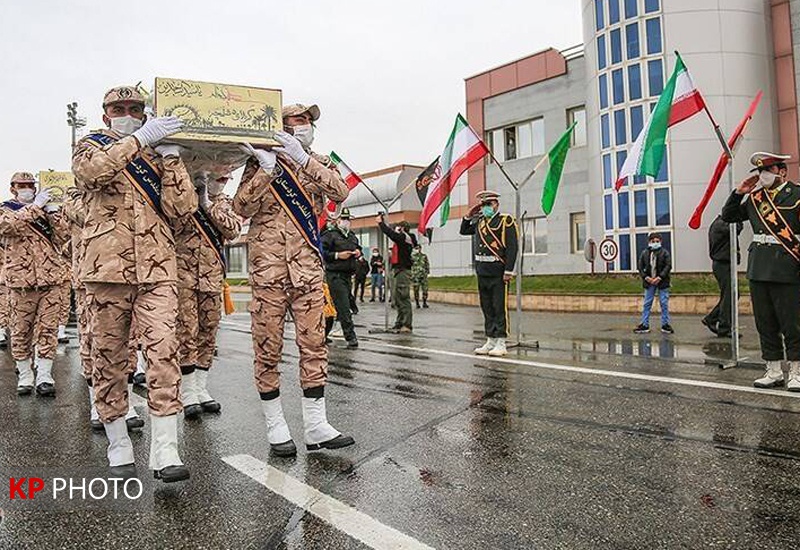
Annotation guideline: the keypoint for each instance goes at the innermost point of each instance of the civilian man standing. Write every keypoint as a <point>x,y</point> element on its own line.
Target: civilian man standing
<point>719,319</point>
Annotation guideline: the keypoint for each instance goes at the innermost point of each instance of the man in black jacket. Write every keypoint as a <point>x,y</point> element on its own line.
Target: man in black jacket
<point>362,270</point>
<point>376,273</point>
<point>719,319</point>
<point>340,250</point>
<point>401,262</point>
<point>771,203</point>
<point>494,247</point>
<point>655,266</point>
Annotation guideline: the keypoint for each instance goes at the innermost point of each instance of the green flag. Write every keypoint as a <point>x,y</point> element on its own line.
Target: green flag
<point>557,156</point>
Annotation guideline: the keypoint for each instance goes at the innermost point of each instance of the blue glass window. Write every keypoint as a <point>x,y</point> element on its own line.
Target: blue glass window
<point>620,130</point>
<point>607,172</point>
<point>598,14</point>
<point>623,205</point>
<point>634,82</point>
<point>663,172</point>
<point>631,8</point>
<point>613,11</point>
<point>621,157</point>
<point>640,208</point>
<point>605,131</point>
<point>641,244</point>
<point>618,86</point>
<point>637,121</point>
<point>616,46</point>
<point>650,6</point>
<point>609,211</point>
<point>632,40</point>
<point>601,52</point>
<point>625,252</point>
<point>653,27</point>
<point>655,75</point>
<point>662,207</point>
<point>666,241</point>
<point>603,91</point>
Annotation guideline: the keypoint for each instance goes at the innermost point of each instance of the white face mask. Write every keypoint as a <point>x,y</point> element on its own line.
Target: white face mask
<point>26,196</point>
<point>304,134</point>
<point>125,125</point>
<point>767,179</point>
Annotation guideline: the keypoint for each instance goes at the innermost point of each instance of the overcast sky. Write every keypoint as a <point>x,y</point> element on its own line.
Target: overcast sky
<point>388,76</point>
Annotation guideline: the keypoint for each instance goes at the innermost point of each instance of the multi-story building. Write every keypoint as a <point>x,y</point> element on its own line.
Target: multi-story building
<point>608,86</point>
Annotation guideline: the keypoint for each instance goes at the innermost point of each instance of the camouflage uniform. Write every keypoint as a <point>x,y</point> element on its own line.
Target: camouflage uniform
<point>200,280</point>
<point>419,276</point>
<point>285,271</point>
<point>34,271</point>
<point>130,272</point>
<point>74,212</point>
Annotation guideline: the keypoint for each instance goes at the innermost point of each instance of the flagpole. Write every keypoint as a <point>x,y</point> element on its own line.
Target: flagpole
<point>734,249</point>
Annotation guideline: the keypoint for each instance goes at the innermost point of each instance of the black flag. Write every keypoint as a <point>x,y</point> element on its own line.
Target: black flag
<point>423,182</point>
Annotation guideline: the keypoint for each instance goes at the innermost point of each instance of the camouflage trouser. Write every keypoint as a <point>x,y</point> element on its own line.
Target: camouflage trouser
<point>420,284</point>
<point>65,290</point>
<point>4,298</point>
<point>113,310</point>
<point>34,320</point>
<point>267,311</point>
<point>199,314</point>
<point>84,331</point>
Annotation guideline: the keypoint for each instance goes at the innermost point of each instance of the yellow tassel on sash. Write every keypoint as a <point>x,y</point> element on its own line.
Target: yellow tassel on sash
<point>227,300</point>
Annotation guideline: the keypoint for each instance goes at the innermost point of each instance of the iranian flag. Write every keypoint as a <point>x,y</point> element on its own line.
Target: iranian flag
<point>350,178</point>
<point>463,149</point>
<point>679,100</point>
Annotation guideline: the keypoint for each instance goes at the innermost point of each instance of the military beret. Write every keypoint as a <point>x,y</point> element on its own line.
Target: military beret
<point>297,109</point>
<point>22,177</point>
<point>122,93</point>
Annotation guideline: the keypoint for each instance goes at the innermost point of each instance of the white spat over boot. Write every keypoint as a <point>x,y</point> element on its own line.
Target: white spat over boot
<point>164,459</point>
<point>487,347</point>
<point>132,419</point>
<point>120,449</point>
<point>793,383</point>
<point>499,349</point>
<point>773,376</point>
<point>318,432</point>
<point>280,440</point>
<point>25,377</point>
<point>191,404</point>
<point>45,385</point>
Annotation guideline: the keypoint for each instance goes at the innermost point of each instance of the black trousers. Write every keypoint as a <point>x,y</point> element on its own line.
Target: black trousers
<point>339,284</point>
<point>775,307</point>
<point>721,315</point>
<point>358,288</point>
<point>493,292</point>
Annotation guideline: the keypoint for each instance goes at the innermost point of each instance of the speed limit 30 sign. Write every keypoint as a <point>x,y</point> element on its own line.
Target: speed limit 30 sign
<point>608,250</point>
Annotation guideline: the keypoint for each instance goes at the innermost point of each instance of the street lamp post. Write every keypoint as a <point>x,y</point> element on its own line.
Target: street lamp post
<point>74,121</point>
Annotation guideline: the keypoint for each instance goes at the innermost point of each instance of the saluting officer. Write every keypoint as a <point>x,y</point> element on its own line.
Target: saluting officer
<point>772,205</point>
<point>494,246</point>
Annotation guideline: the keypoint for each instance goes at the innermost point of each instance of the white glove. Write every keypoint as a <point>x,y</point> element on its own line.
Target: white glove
<point>156,129</point>
<point>169,150</point>
<point>42,198</point>
<point>266,159</point>
<point>51,208</point>
<point>292,148</point>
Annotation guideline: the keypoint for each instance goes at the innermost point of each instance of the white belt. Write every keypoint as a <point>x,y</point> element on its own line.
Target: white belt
<point>481,258</point>
<point>767,239</point>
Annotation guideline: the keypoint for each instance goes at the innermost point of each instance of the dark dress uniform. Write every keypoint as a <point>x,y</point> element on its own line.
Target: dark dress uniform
<point>339,274</point>
<point>494,249</point>
<point>719,319</point>
<point>773,272</point>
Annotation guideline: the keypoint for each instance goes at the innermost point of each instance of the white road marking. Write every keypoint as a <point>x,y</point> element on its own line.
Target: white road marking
<point>341,516</point>
<point>598,372</point>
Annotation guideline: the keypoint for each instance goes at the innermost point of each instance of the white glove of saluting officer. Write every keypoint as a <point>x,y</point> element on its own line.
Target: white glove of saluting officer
<point>292,148</point>
<point>42,198</point>
<point>266,159</point>
<point>156,129</point>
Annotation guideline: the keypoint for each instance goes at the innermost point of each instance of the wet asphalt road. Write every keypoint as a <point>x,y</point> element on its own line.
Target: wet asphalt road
<point>636,448</point>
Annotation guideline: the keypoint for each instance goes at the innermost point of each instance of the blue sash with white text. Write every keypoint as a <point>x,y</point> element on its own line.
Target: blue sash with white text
<point>143,176</point>
<point>211,234</point>
<point>296,203</point>
<point>40,225</point>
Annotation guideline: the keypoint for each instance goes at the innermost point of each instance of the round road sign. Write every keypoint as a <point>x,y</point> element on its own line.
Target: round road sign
<point>608,250</point>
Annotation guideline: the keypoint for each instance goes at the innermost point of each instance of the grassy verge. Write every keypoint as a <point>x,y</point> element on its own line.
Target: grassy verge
<point>682,283</point>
